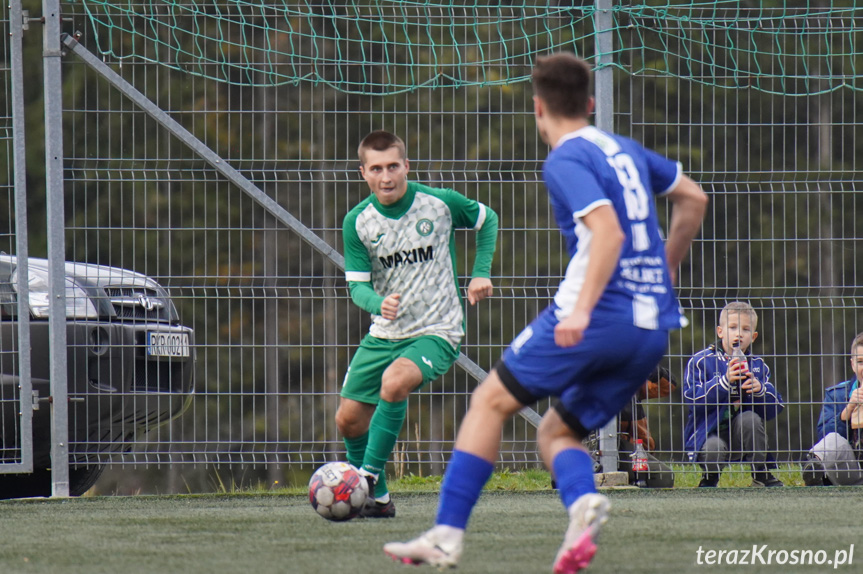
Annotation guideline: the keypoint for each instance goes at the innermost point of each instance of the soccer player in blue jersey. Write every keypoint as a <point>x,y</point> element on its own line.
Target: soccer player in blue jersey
<point>606,330</point>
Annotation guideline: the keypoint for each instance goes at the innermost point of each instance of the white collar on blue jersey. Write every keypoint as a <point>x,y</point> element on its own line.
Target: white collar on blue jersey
<point>572,135</point>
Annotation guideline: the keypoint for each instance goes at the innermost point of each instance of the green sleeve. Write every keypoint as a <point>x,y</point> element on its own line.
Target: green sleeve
<point>486,242</point>
<point>358,267</point>
<point>475,215</point>
<point>363,295</point>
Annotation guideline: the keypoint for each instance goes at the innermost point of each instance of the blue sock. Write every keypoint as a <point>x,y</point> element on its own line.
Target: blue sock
<point>573,472</point>
<point>465,476</point>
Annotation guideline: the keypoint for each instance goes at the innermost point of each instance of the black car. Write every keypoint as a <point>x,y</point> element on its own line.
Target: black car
<point>131,368</point>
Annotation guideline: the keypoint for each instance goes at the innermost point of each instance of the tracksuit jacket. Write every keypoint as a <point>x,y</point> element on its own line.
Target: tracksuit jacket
<point>706,390</point>
<point>835,400</point>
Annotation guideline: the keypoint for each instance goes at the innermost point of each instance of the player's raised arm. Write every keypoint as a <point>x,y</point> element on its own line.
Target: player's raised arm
<point>471,214</point>
<point>689,206</point>
<point>481,285</point>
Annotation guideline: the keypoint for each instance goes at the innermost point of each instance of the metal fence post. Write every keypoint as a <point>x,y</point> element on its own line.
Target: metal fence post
<point>16,52</point>
<point>51,57</point>
<point>604,79</point>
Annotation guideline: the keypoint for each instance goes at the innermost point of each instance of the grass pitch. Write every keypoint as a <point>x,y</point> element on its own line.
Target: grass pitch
<point>511,532</point>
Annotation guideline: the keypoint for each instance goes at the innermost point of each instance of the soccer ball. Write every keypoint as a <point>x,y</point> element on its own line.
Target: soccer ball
<point>337,491</point>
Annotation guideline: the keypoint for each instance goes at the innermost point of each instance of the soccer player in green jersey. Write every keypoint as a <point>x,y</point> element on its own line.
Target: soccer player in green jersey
<point>400,265</point>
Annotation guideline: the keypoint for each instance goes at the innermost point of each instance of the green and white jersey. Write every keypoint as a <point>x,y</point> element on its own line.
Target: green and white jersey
<point>409,248</point>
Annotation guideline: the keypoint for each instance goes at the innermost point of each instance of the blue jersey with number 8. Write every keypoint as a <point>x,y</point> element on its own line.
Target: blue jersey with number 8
<point>590,168</point>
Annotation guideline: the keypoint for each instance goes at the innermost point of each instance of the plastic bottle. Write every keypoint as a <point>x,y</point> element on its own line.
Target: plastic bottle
<point>737,353</point>
<point>639,464</point>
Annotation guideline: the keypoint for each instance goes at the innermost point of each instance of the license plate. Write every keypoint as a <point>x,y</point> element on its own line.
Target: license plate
<point>161,344</point>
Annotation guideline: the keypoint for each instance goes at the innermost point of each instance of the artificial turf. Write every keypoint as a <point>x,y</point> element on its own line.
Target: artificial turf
<point>510,532</point>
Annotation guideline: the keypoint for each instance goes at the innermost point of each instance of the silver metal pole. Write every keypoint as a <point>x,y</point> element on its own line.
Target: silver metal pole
<point>16,16</point>
<point>207,154</point>
<point>479,374</point>
<point>51,56</point>
<point>604,79</point>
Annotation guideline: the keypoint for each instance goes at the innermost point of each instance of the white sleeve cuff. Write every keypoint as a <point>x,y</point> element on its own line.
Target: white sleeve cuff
<point>674,183</point>
<point>480,219</point>
<point>582,212</point>
<point>361,276</point>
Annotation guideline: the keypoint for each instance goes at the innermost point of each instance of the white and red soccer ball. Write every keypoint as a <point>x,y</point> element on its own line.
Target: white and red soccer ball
<point>337,491</point>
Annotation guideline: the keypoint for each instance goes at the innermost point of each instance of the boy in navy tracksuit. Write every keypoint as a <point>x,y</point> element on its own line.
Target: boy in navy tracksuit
<point>834,458</point>
<point>730,400</point>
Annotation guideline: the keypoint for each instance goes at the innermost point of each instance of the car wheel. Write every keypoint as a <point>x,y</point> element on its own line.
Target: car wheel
<point>38,483</point>
<point>82,478</point>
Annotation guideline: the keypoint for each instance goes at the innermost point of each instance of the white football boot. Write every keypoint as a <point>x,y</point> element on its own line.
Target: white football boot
<point>586,515</point>
<point>436,547</point>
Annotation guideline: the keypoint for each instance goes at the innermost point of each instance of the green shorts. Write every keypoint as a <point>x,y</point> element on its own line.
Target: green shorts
<point>433,355</point>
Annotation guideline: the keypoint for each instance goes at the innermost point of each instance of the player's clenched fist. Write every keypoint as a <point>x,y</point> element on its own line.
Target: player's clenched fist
<point>390,306</point>
<point>478,289</point>
<point>570,331</point>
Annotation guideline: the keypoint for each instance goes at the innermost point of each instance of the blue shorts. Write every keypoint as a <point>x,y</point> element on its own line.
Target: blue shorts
<point>593,379</point>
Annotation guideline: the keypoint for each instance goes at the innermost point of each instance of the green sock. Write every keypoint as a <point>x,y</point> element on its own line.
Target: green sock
<point>356,448</point>
<point>384,430</point>
<point>381,485</point>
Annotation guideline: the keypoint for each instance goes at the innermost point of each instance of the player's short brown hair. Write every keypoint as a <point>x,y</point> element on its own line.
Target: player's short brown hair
<point>740,308</point>
<point>562,82</point>
<point>380,140</point>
